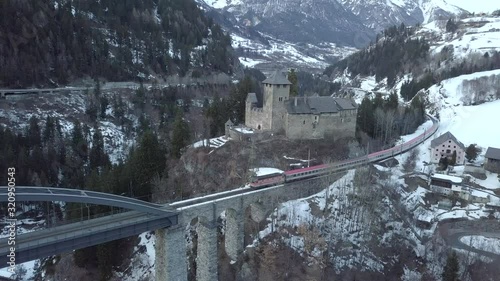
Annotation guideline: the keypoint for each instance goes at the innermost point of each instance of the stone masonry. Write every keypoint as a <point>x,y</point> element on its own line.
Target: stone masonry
<point>171,258</point>
<point>299,117</point>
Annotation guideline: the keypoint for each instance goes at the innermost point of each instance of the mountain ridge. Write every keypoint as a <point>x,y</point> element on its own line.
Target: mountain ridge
<point>308,26</point>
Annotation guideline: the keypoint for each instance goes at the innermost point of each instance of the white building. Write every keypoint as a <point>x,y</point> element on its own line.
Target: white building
<point>444,146</point>
<point>445,184</point>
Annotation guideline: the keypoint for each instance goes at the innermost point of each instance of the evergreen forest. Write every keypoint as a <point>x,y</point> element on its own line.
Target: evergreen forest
<point>51,43</point>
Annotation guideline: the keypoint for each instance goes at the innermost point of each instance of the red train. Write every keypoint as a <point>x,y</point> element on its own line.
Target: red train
<point>318,170</point>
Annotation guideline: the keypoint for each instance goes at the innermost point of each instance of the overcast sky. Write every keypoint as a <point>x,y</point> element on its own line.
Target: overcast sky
<point>477,5</point>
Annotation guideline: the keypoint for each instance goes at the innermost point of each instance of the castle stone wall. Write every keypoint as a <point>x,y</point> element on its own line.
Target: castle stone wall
<point>308,126</point>
<point>256,117</point>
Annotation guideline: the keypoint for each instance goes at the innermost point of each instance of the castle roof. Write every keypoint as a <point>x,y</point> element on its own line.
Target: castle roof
<point>444,137</point>
<point>251,98</point>
<point>277,78</point>
<point>318,105</point>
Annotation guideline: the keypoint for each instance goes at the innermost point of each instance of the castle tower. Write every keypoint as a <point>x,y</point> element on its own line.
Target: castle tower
<point>276,92</point>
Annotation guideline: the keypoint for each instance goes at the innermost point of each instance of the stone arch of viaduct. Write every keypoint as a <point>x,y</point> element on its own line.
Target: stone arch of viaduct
<point>170,246</point>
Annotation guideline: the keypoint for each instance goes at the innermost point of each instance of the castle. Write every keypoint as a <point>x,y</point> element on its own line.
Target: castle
<point>299,117</point>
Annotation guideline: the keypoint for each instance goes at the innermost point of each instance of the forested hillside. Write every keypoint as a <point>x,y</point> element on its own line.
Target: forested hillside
<point>56,41</point>
<point>400,51</point>
<point>392,53</point>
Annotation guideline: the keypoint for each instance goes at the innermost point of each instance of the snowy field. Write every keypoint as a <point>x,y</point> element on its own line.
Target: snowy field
<point>476,39</point>
<point>278,50</point>
<point>470,124</point>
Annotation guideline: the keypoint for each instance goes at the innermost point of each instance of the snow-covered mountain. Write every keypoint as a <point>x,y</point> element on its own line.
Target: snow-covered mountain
<point>379,14</point>
<point>314,33</point>
<point>477,6</point>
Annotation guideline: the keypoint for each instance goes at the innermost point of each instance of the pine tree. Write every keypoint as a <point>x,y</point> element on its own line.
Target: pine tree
<point>34,135</point>
<point>97,155</point>
<point>450,271</point>
<point>91,105</point>
<point>393,102</point>
<point>78,142</point>
<point>218,113</point>
<point>104,105</point>
<point>119,108</point>
<point>140,95</point>
<point>97,89</point>
<point>451,25</point>
<point>180,135</point>
<point>443,163</point>
<point>146,161</point>
<point>48,132</point>
<point>471,153</point>
<point>237,99</point>
<point>364,121</point>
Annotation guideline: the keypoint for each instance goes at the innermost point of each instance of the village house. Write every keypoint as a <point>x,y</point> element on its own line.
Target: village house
<point>444,146</point>
<point>445,184</point>
<point>453,186</point>
<point>492,160</point>
<point>299,117</point>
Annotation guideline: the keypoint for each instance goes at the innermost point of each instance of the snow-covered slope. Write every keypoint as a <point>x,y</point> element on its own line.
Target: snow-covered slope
<point>475,41</point>
<point>453,98</point>
<point>279,52</point>
<point>380,14</point>
<point>438,9</point>
<point>477,6</point>
<point>475,35</point>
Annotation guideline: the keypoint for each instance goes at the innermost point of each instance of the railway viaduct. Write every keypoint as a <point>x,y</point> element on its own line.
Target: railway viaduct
<point>171,259</point>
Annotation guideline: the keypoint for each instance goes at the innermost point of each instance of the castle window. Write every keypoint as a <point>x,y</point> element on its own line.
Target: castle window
<point>448,151</point>
<point>280,98</point>
<point>304,122</point>
<point>278,85</point>
<point>316,118</point>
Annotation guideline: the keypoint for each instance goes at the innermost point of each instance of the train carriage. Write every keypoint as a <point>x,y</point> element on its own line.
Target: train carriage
<point>265,177</point>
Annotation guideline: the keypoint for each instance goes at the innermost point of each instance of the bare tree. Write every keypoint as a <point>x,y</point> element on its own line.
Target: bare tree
<point>160,194</point>
<point>410,162</point>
